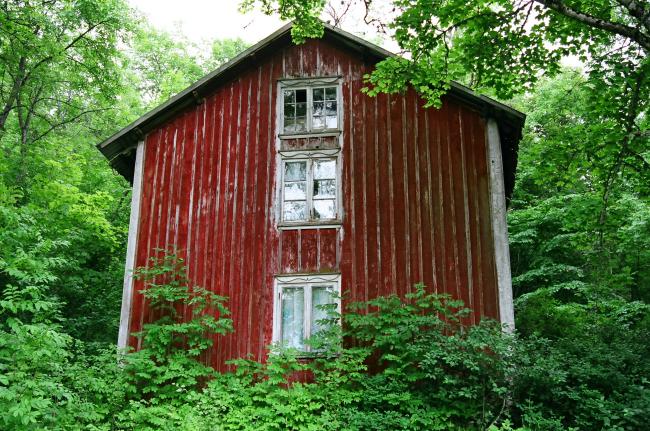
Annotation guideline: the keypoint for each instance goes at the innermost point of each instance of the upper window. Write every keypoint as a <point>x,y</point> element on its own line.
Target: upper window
<point>310,109</point>
<point>309,189</point>
<point>303,307</point>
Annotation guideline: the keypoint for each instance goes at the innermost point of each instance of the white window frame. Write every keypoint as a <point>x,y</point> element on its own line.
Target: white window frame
<point>310,156</point>
<point>309,85</point>
<point>307,281</point>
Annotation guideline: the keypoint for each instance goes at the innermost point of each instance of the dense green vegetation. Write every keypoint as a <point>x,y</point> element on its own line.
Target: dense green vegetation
<point>72,72</point>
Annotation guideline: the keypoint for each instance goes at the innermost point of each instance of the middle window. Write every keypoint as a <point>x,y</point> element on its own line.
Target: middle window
<point>310,189</point>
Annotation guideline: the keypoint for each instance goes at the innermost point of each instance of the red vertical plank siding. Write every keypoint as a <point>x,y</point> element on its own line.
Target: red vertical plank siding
<point>415,203</point>
<point>328,250</point>
<point>308,250</point>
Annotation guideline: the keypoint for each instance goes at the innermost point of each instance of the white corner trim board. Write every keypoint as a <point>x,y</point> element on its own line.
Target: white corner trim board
<point>134,221</point>
<point>500,226</point>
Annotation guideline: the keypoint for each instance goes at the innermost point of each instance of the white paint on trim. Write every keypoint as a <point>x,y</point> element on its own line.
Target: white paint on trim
<point>134,222</point>
<point>500,226</point>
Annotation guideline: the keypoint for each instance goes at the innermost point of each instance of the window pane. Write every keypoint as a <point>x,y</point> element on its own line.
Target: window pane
<point>324,188</point>
<point>330,93</point>
<point>288,123</point>
<point>295,191</point>
<point>289,96</point>
<point>295,210</point>
<point>301,96</point>
<point>295,171</point>
<point>324,169</point>
<point>301,124</point>
<point>293,300</point>
<point>332,123</point>
<point>318,109</point>
<point>321,297</point>
<point>330,108</point>
<point>301,109</point>
<point>318,123</point>
<point>324,209</point>
<point>289,111</point>
<point>318,94</point>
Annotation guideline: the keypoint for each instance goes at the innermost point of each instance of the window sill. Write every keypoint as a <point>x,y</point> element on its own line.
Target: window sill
<point>320,134</point>
<point>333,224</point>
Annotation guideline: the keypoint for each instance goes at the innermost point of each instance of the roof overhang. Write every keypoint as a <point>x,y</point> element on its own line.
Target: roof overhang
<point>119,149</point>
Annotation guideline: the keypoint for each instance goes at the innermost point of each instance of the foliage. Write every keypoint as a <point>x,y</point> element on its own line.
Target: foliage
<point>305,12</point>
<point>426,371</point>
<point>168,363</point>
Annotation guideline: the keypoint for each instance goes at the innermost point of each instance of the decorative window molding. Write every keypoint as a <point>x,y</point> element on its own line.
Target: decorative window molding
<point>310,188</point>
<point>297,306</point>
<point>309,107</point>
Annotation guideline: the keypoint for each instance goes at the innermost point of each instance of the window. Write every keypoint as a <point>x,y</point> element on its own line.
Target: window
<point>310,109</point>
<point>310,188</point>
<point>302,307</point>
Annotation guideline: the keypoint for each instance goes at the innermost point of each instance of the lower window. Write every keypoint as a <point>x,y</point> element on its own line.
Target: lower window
<point>301,307</point>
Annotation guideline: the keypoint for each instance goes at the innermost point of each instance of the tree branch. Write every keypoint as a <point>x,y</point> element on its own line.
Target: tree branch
<point>65,48</point>
<point>637,10</point>
<point>68,121</point>
<point>613,27</point>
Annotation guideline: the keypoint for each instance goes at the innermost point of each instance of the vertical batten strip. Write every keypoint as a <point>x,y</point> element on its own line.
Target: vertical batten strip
<point>499,226</point>
<point>134,223</point>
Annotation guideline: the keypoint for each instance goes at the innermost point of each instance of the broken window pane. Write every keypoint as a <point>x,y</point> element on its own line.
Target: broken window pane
<point>295,191</point>
<point>295,171</point>
<point>295,210</point>
<point>301,96</point>
<point>325,169</point>
<point>293,331</point>
<point>324,209</point>
<point>324,188</point>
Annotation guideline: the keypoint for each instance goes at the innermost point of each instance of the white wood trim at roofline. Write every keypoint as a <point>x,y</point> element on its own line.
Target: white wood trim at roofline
<point>500,226</point>
<point>134,222</point>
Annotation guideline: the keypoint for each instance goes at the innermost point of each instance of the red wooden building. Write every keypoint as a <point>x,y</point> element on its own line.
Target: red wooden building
<point>279,182</point>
